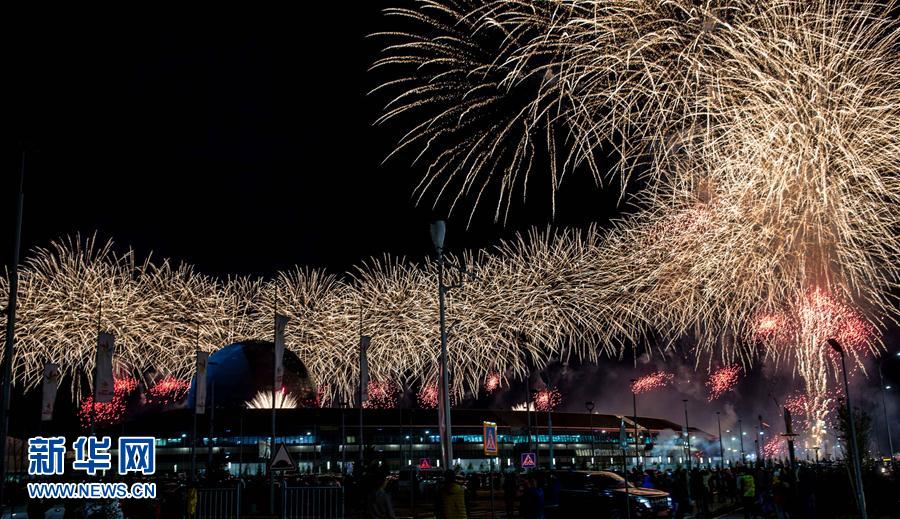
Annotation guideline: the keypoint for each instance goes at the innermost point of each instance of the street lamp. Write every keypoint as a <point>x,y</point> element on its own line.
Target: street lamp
<point>854,447</point>
<point>741,436</point>
<point>887,422</point>
<point>634,408</point>
<point>721,448</point>
<point>438,232</point>
<point>589,405</point>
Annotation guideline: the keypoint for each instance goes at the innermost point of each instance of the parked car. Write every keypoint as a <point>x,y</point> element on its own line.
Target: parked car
<point>606,493</point>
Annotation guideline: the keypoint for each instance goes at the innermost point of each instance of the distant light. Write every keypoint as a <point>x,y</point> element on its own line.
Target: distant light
<point>887,387</point>
<point>308,433</point>
<point>407,436</point>
<point>427,432</point>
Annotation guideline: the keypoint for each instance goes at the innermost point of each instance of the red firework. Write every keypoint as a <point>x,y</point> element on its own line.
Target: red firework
<point>492,382</point>
<point>722,380</point>
<point>382,395</point>
<point>773,448</point>
<point>428,396</point>
<point>655,380</point>
<point>105,414</point>
<point>547,399</point>
<point>168,391</point>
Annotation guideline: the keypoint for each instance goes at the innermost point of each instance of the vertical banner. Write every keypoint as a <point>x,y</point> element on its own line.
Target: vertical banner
<point>280,324</point>
<point>200,383</point>
<point>623,438</point>
<point>363,368</point>
<point>104,384</point>
<point>51,378</point>
<point>489,437</point>
<point>442,423</point>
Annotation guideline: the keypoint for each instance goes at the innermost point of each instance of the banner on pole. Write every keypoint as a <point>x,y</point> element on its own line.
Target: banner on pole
<point>280,324</point>
<point>200,383</point>
<point>51,377</point>
<point>490,438</point>
<point>623,438</point>
<point>104,383</point>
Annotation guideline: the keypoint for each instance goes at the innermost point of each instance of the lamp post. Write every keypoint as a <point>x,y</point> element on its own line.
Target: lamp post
<point>10,346</point>
<point>887,422</point>
<point>634,416</point>
<point>687,435</point>
<point>589,405</point>
<point>438,232</point>
<point>741,436</point>
<point>854,447</point>
<point>721,448</point>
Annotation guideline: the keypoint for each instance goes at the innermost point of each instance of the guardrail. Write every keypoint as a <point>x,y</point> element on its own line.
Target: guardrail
<point>312,502</point>
<point>219,503</point>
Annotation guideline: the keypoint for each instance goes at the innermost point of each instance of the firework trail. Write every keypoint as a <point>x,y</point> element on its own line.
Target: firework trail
<point>722,381</point>
<point>655,380</point>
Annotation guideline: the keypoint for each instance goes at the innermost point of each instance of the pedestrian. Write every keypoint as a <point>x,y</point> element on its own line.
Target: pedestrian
<point>453,498</point>
<point>510,489</point>
<point>747,490</point>
<point>532,506</point>
<point>378,502</point>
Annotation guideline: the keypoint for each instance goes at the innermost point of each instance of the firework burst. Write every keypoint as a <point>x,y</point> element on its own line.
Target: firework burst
<point>547,399</point>
<point>168,391</point>
<point>104,414</point>
<point>492,382</point>
<point>722,381</point>
<point>382,395</point>
<point>655,380</point>
<point>263,400</point>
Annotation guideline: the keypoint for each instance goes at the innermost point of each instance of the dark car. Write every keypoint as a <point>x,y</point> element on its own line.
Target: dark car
<point>604,494</point>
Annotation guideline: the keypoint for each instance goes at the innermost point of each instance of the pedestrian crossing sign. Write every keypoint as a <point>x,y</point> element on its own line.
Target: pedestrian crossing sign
<point>528,460</point>
<point>490,439</point>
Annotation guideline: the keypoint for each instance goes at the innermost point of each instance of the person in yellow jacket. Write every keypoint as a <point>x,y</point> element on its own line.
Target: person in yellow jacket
<point>453,498</point>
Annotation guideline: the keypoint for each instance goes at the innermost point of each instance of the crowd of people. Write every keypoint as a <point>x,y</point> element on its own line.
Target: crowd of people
<point>765,491</point>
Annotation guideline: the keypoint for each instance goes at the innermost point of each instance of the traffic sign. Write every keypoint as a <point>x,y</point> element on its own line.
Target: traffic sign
<point>528,460</point>
<point>490,439</point>
<point>282,460</point>
<point>424,464</point>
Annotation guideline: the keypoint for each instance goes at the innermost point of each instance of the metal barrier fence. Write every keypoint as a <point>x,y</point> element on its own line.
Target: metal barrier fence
<point>219,503</point>
<point>312,502</point>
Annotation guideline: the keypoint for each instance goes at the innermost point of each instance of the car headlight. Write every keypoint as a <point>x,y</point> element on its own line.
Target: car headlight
<point>644,501</point>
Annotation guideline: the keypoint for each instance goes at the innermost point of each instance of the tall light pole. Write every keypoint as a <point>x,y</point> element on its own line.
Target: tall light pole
<point>687,433</point>
<point>854,447</point>
<point>741,436</point>
<point>887,422</point>
<point>589,405</point>
<point>634,416</point>
<point>721,448</point>
<point>10,334</point>
<point>687,437</point>
<point>438,232</point>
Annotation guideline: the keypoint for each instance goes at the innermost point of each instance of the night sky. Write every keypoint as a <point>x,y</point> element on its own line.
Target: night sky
<point>241,143</point>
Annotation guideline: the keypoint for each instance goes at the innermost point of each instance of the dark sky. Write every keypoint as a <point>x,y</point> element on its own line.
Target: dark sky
<point>240,142</point>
